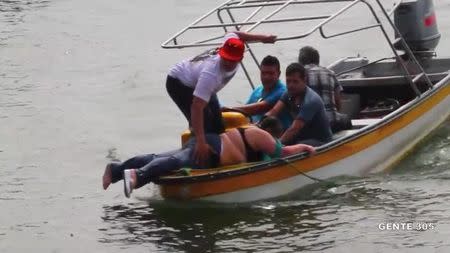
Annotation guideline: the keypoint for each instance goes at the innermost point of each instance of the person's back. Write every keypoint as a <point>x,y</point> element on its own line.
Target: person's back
<point>234,148</point>
<point>189,71</point>
<point>253,144</point>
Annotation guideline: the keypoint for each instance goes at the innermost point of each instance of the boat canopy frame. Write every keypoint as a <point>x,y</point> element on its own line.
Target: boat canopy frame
<point>259,5</point>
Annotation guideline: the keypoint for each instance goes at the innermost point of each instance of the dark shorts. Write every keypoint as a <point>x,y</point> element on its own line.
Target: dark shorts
<point>183,96</point>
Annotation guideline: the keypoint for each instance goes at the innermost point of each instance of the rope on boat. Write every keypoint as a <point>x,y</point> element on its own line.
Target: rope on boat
<point>326,182</point>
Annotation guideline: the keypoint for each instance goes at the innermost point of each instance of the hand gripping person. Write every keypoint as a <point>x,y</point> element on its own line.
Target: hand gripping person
<point>193,83</point>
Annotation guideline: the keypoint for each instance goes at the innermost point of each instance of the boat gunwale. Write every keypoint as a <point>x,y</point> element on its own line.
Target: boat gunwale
<point>220,173</point>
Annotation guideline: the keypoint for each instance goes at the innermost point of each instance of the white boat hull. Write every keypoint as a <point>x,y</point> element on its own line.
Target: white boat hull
<point>375,158</point>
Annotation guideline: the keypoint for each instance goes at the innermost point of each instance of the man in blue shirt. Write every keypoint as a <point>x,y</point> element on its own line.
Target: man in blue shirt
<point>266,95</point>
<point>310,124</point>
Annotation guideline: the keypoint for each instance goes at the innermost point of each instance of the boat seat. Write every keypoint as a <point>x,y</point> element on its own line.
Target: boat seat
<point>344,133</point>
<point>230,119</point>
<point>359,123</point>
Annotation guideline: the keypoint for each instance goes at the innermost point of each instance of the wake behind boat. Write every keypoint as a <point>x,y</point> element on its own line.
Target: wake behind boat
<point>394,102</point>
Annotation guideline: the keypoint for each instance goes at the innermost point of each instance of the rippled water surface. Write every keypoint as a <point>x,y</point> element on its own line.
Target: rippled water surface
<point>81,83</point>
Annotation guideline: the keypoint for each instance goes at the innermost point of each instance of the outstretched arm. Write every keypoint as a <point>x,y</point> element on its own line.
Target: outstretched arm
<point>252,37</point>
<point>292,131</point>
<point>201,151</point>
<point>255,108</point>
<point>276,109</point>
<point>264,142</point>
<point>297,148</point>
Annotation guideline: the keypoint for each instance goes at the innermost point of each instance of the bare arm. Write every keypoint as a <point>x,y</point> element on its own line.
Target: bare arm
<point>197,107</point>
<point>251,37</point>
<point>264,142</point>
<point>297,148</point>
<point>255,108</point>
<point>276,109</point>
<point>292,131</point>
<point>202,149</point>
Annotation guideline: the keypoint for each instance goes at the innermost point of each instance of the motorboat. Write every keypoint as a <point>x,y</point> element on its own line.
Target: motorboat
<point>394,101</point>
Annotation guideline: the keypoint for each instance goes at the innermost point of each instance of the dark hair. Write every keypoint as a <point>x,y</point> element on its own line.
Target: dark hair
<point>308,55</point>
<point>296,68</point>
<point>271,125</point>
<point>271,61</point>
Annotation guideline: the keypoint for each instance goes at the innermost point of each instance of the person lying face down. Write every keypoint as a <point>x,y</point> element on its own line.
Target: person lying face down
<point>235,146</point>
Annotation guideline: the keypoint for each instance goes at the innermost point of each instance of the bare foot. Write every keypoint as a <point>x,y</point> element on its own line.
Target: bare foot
<point>133,178</point>
<point>107,177</point>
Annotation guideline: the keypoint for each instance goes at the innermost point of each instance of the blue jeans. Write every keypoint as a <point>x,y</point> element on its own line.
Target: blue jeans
<point>151,166</point>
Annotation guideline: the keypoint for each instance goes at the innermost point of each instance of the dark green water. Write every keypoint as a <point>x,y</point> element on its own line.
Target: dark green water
<point>82,82</point>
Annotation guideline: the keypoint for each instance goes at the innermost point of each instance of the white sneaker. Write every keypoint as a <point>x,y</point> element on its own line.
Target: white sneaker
<point>127,188</point>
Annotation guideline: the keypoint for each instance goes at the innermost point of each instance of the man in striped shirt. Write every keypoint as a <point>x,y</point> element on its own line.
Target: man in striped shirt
<point>324,82</point>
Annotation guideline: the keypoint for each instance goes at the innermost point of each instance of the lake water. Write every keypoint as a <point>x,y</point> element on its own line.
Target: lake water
<point>82,83</point>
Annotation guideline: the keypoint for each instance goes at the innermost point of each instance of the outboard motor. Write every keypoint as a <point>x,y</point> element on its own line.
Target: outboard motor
<point>416,22</point>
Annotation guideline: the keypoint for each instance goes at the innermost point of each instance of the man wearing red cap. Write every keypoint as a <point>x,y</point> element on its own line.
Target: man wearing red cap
<point>193,83</point>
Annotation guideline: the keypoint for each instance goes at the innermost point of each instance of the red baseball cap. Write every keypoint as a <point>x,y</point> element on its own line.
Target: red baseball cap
<point>232,50</point>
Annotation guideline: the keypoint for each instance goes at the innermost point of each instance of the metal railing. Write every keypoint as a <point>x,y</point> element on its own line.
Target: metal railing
<point>259,5</point>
